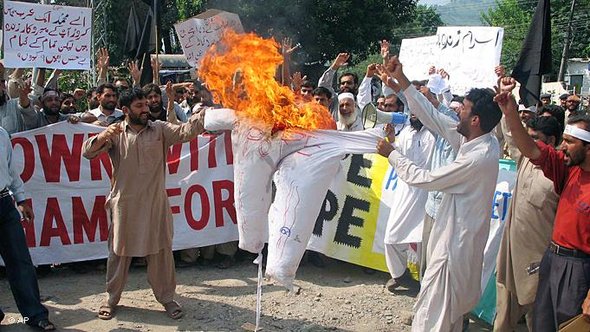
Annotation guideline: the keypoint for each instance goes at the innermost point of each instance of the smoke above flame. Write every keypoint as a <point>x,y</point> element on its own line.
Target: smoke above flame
<point>240,73</point>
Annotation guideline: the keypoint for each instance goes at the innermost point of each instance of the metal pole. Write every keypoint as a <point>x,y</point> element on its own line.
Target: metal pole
<point>566,45</point>
<point>157,41</point>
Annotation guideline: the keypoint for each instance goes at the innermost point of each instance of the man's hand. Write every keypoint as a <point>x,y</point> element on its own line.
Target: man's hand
<point>586,307</point>
<point>155,70</point>
<point>340,60</point>
<point>102,60</point>
<point>395,68</point>
<point>384,49</point>
<point>500,71</point>
<point>111,131</point>
<point>443,73</point>
<point>507,84</point>
<point>73,119</point>
<point>297,80</point>
<point>385,77</point>
<point>504,97</point>
<point>431,70</point>
<point>170,93</point>
<point>384,148</point>
<point>371,70</point>
<point>26,211</point>
<point>135,72</point>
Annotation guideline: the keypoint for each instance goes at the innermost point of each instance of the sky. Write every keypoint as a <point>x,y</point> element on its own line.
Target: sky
<point>433,2</point>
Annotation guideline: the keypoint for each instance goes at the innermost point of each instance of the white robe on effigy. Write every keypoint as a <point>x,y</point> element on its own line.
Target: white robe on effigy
<point>451,286</point>
<point>303,164</point>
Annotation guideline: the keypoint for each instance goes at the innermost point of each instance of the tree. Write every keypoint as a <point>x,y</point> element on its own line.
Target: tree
<point>323,27</point>
<point>515,17</point>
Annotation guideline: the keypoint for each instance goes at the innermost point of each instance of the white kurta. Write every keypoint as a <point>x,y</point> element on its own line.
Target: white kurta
<point>404,224</point>
<point>452,282</point>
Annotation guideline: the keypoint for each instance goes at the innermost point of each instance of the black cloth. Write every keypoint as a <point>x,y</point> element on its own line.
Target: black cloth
<point>563,285</point>
<point>535,55</point>
<point>19,267</point>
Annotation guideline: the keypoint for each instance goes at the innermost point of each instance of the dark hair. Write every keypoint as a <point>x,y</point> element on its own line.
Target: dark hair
<point>308,84</point>
<point>457,99</point>
<point>129,95</point>
<point>51,90</point>
<point>151,87</point>
<point>355,77</point>
<point>100,89</point>
<point>65,96</point>
<point>556,111</point>
<point>123,79</point>
<point>548,125</point>
<point>419,83</point>
<point>198,85</point>
<point>580,118</point>
<point>320,90</point>
<point>485,108</point>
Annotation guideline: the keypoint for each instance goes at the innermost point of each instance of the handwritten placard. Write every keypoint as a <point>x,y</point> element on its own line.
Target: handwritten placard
<point>417,55</point>
<point>468,54</point>
<point>46,36</point>
<point>198,33</point>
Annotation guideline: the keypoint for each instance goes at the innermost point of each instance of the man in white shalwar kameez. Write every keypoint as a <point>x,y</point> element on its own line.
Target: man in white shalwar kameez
<point>404,225</point>
<point>451,284</point>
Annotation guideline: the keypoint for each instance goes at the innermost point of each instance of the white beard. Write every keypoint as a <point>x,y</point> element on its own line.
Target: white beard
<point>347,120</point>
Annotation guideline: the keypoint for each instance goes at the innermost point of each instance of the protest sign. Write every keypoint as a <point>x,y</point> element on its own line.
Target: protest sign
<point>198,33</point>
<point>417,55</point>
<point>468,54</point>
<point>68,192</point>
<point>46,36</point>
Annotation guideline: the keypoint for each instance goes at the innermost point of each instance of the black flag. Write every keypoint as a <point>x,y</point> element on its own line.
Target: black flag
<point>535,56</point>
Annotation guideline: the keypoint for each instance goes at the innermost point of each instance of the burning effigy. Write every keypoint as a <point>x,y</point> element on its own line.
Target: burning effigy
<point>274,138</point>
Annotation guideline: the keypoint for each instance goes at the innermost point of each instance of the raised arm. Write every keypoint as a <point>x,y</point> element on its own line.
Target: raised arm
<point>507,103</point>
<point>328,76</point>
<point>435,121</point>
<point>102,65</point>
<point>364,95</point>
<point>95,145</point>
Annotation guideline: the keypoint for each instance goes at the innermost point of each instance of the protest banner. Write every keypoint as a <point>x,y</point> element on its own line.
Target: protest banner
<point>198,33</point>
<point>468,54</point>
<point>68,192</point>
<point>46,36</point>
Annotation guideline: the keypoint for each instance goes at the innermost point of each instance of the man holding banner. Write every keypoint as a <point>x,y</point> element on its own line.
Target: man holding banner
<point>451,286</point>
<point>141,219</point>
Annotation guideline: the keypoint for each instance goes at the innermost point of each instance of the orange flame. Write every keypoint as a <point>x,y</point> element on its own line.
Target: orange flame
<point>239,71</point>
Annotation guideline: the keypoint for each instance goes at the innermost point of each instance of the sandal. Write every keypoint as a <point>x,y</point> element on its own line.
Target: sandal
<point>106,312</point>
<point>44,325</point>
<point>173,310</point>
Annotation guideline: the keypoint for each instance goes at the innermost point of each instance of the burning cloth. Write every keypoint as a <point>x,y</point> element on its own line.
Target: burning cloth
<point>274,138</point>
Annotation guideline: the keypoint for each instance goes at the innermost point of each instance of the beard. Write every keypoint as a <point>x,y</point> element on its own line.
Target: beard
<point>110,106</point>
<point>416,124</point>
<point>51,110</point>
<point>347,119</point>
<point>155,108</point>
<point>138,119</point>
<point>574,159</point>
<point>3,98</point>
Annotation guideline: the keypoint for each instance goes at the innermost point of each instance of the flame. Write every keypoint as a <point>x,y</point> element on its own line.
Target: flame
<point>240,73</point>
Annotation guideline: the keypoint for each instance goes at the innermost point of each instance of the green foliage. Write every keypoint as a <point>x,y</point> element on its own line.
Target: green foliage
<point>515,17</point>
<point>323,27</point>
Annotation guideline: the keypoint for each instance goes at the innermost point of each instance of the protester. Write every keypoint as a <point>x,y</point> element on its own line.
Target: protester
<point>527,230</point>
<point>452,280</point>
<point>404,225</point>
<point>13,249</point>
<point>137,148</point>
<point>563,290</point>
<point>107,111</point>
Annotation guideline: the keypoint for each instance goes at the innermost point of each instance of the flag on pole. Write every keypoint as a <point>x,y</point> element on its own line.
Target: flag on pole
<point>535,55</point>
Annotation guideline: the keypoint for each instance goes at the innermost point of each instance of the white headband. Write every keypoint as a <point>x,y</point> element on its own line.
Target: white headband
<point>345,95</point>
<point>577,132</point>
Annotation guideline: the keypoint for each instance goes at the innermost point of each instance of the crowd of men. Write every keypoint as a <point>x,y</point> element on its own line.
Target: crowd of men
<point>446,156</point>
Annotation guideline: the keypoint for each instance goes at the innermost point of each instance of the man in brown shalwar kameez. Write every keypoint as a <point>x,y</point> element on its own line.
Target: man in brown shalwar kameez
<point>141,220</point>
